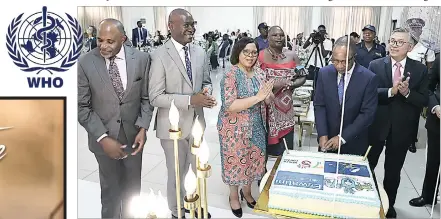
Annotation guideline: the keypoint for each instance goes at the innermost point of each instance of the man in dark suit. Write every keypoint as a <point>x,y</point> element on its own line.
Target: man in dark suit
<point>433,142</point>
<point>114,108</point>
<point>402,93</point>
<point>139,35</point>
<point>358,86</point>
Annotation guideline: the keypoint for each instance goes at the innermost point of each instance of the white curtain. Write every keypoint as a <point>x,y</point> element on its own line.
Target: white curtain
<point>340,21</point>
<point>94,15</point>
<point>293,20</point>
<point>432,18</point>
<point>160,18</point>
<point>385,28</point>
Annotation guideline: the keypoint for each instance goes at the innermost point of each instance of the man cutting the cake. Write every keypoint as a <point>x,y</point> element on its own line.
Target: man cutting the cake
<point>358,86</point>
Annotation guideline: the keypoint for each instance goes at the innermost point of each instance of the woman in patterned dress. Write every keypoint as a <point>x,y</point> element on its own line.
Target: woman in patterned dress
<point>241,124</point>
<point>280,66</point>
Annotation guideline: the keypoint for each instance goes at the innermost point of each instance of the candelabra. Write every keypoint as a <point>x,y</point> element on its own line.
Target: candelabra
<point>175,135</point>
<point>201,151</point>
<point>197,136</point>
<point>204,171</point>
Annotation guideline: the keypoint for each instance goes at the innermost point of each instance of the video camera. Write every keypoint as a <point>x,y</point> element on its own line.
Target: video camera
<point>317,37</point>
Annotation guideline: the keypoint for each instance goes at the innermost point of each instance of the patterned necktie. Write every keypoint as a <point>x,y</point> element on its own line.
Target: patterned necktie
<point>397,73</point>
<point>115,77</point>
<point>341,86</point>
<point>188,63</point>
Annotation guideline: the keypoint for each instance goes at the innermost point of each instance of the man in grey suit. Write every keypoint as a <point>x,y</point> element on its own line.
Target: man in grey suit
<point>179,72</point>
<point>114,108</point>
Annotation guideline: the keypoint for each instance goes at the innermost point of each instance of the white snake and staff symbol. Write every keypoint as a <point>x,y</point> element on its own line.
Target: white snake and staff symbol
<point>3,147</point>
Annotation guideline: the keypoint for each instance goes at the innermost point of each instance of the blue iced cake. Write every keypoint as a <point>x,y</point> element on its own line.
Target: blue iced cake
<point>324,184</point>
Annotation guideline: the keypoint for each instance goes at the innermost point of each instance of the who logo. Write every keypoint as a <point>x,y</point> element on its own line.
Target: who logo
<point>44,42</point>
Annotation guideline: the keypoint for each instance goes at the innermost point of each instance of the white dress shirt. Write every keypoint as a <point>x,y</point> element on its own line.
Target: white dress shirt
<point>347,80</point>
<point>180,48</point>
<point>120,62</point>
<point>394,67</point>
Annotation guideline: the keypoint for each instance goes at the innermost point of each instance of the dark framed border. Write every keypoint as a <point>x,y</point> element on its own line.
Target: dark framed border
<point>62,204</point>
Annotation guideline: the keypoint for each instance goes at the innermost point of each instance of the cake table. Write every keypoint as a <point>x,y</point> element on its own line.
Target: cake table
<point>262,202</point>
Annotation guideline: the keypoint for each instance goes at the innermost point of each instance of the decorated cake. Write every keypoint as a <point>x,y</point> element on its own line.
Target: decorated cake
<point>308,182</point>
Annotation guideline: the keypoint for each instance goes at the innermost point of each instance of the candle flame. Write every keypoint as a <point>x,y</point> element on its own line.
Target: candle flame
<point>173,116</point>
<point>204,153</point>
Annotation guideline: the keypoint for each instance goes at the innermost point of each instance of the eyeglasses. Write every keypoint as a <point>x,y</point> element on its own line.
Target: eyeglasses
<point>397,43</point>
<point>250,53</point>
<point>343,62</point>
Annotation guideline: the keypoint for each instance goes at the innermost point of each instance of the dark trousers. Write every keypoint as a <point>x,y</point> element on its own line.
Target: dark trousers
<point>120,181</point>
<point>213,61</point>
<point>279,148</point>
<point>432,165</point>
<point>395,154</point>
<point>312,75</point>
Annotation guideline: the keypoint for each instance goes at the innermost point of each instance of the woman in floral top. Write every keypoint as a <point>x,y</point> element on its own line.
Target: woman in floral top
<point>242,125</point>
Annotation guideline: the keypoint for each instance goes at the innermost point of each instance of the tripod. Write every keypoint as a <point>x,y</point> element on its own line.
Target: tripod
<point>315,52</point>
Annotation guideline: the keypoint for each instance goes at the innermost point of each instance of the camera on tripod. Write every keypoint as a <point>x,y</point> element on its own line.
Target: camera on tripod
<point>317,37</point>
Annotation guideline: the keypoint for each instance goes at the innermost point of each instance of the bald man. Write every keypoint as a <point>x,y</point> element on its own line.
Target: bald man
<point>179,72</point>
<point>356,87</point>
<point>114,108</point>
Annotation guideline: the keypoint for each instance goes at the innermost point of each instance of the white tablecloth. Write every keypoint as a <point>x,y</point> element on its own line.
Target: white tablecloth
<point>383,195</point>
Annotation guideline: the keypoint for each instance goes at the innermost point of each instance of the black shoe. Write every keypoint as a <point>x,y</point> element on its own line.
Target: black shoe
<point>250,204</point>
<point>175,217</point>
<point>237,212</point>
<point>196,213</point>
<point>391,213</point>
<point>412,148</point>
<point>420,202</point>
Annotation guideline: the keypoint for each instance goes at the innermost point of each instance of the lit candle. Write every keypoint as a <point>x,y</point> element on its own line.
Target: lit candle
<point>204,153</point>
<point>138,207</point>
<point>162,207</point>
<point>197,132</point>
<point>173,116</point>
<point>190,183</point>
<point>151,202</point>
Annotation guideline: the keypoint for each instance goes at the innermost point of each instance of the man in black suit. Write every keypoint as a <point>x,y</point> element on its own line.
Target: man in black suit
<point>360,102</point>
<point>139,35</point>
<point>402,93</point>
<point>433,142</point>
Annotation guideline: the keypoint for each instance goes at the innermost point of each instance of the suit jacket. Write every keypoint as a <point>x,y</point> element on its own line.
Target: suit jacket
<point>398,112</point>
<point>135,37</point>
<point>360,105</point>
<point>169,81</point>
<point>99,108</point>
<point>432,121</point>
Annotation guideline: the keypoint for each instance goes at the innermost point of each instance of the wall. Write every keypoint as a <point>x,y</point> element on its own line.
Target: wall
<point>220,18</point>
<point>223,19</point>
<point>130,15</point>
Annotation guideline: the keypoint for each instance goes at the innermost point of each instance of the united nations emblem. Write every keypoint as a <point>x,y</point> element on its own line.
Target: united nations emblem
<point>44,41</point>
